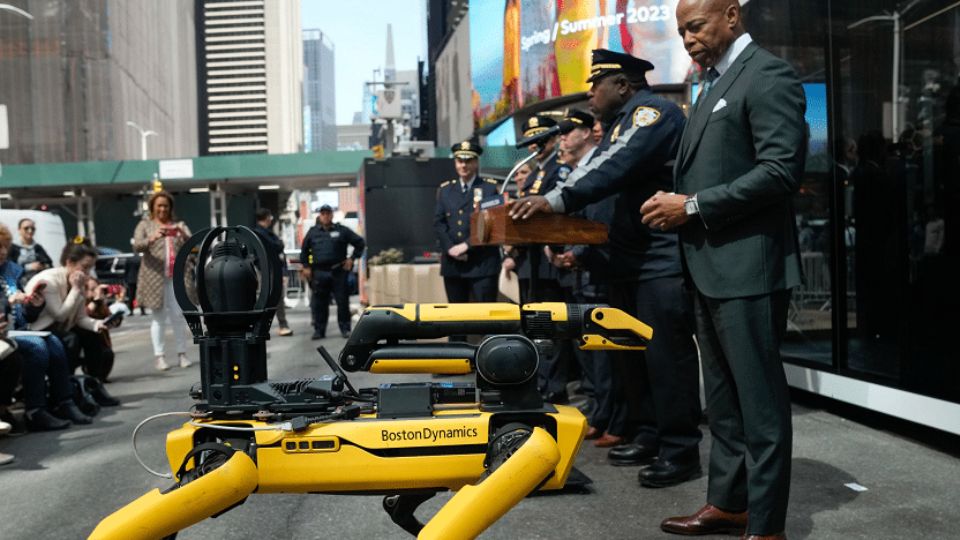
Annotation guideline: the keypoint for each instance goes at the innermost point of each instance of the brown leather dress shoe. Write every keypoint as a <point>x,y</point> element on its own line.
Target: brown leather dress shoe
<point>592,433</point>
<point>781,536</point>
<point>707,520</point>
<point>608,441</point>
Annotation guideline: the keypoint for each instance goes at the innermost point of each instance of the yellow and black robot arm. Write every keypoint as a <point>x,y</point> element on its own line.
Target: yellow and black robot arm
<point>375,344</point>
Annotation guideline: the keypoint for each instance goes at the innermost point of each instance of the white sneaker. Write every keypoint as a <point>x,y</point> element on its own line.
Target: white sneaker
<point>5,458</point>
<point>5,427</point>
<point>184,363</point>
<point>162,364</point>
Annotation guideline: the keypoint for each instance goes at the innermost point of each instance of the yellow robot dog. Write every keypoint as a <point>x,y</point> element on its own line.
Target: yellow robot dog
<point>493,442</point>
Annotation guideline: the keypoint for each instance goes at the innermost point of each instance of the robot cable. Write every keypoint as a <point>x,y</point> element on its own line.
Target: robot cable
<point>285,426</point>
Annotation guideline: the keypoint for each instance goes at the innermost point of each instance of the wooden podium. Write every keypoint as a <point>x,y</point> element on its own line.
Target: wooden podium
<point>495,227</point>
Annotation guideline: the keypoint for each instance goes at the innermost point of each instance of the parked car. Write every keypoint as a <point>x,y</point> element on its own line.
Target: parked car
<point>112,264</point>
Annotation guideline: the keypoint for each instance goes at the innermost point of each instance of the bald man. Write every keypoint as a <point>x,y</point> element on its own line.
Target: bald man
<point>740,162</point>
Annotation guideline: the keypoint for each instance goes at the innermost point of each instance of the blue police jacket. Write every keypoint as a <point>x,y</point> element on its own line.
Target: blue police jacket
<point>451,224</point>
<point>632,163</point>
<point>325,249</point>
<point>543,180</point>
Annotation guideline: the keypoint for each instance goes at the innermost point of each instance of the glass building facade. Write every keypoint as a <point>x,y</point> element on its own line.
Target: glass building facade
<point>877,211</point>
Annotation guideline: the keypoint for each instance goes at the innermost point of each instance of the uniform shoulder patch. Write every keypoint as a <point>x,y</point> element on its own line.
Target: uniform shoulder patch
<point>447,183</point>
<point>490,181</point>
<point>563,172</point>
<point>645,116</point>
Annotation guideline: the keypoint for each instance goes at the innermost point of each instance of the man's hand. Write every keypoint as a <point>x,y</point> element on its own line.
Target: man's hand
<point>348,264</point>
<point>509,264</point>
<point>529,206</point>
<point>664,211</point>
<point>566,260</point>
<point>459,251</point>
<point>306,273</point>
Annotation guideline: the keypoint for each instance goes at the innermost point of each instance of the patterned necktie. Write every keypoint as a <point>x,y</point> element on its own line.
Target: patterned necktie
<point>709,80</point>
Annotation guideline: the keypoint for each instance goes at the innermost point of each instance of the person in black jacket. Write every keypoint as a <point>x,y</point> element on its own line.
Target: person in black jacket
<point>326,266</point>
<point>29,254</point>
<point>273,244</point>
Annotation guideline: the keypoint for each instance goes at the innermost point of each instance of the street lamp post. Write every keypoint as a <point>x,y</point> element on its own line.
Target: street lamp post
<point>144,133</point>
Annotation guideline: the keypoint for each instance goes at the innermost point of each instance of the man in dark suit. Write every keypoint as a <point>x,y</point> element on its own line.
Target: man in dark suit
<point>645,278</point>
<point>469,272</point>
<point>740,162</point>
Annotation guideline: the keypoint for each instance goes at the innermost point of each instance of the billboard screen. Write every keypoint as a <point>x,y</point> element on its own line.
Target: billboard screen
<point>525,51</point>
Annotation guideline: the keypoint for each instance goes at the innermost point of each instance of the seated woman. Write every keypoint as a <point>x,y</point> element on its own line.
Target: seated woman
<point>65,313</point>
<point>43,358</point>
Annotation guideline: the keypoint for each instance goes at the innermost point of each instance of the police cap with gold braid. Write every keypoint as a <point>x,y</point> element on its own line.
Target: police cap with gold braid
<point>467,150</point>
<point>575,118</point>
<point>606,62</point>
<point>536,125</point>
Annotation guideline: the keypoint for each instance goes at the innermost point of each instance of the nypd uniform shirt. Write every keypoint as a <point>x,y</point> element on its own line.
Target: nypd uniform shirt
<point>325,249</point>
<point>546,177</point>
<point>631,163</point>
<point>451,224</point>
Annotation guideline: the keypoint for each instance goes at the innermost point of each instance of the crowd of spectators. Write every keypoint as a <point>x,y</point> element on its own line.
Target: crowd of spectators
<point>54,321</point>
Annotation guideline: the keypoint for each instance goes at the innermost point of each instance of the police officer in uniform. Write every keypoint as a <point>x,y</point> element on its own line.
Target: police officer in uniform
<point>326,266</point>
<point>553,372</point>
<point>469,272</point>
<point>646,279</point>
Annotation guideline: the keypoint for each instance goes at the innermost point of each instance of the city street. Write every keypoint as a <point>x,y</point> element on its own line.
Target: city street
<point>62,483</point>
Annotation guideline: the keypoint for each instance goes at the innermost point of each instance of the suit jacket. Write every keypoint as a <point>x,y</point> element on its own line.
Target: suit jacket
<point>742,154</point>
<point>451,225</point>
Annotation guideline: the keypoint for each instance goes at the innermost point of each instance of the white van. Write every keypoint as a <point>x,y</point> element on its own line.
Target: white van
<point>50,231</point>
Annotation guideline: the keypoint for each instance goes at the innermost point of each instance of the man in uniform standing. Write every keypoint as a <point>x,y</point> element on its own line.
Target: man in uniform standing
<point>469,272</point>
<point>326,266</point>
<point>645,278</point>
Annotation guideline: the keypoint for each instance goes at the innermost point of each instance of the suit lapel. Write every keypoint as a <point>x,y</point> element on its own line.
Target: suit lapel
<point>701,113</point>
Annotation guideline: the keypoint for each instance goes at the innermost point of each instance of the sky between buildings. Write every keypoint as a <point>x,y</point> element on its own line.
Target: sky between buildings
<point>358,29</point>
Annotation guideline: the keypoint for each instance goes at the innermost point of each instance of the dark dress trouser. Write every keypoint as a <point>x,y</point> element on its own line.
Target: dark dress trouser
<point>749,406</point>
<point>323,283</point>
<point>662,384</point>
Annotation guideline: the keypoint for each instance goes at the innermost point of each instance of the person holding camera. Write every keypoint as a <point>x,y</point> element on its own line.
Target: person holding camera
<point>65,314</point>
<point>47,395</point>
<point>158,239</point>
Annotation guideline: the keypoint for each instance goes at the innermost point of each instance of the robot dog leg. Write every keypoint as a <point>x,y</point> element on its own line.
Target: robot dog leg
<point>158,514</point>
<point>519,460</point>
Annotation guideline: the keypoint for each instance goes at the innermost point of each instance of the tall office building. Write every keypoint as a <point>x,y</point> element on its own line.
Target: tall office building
<point>319,93</point>
<point>250,65</point>
<point>73,77</point>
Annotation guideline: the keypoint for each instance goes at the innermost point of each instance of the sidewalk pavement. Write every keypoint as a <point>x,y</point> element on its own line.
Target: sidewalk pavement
<point>849,480</point>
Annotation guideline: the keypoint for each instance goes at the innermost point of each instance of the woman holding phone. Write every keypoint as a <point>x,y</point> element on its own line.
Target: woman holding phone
<point>158,239</point>
<point>44,360</point>
<point>65,314</point>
